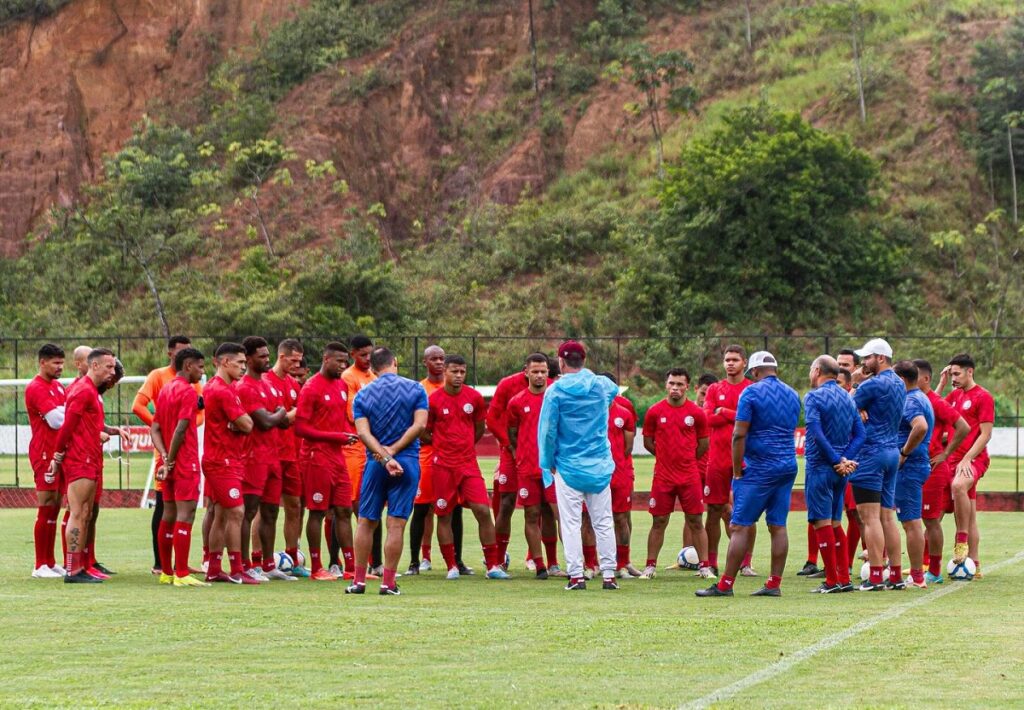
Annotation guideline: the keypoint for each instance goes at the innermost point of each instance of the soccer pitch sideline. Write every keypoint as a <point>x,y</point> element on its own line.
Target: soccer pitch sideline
<point>474,642</point>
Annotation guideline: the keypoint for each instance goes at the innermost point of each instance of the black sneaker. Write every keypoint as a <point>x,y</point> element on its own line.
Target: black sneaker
<point>542,573</point>
<point>848,587</point>
<point>103,568</point>
<point>869,587</point>
<point>767,592</point>
<point>465,571</point>
<point>414,568</point>
<point>713,591</point>
<point>576,585</point>
<point>610,584</point>
<point>820,574</point>
<point>715,570</point>
<point>390,591</point>
<point>355,589</point>
<point>827,589</point>
<point>808,569</point>
<point>896,586</point>
<point>81,577</point>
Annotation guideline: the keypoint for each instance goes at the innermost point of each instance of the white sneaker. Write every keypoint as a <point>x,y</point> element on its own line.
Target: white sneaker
<point>44,572</point>
<point>531,565</point>
<point>425,566</point>
<point>378,570</point>
<point>623,573</point>
<point>556,571</point>
<point>278,574</point>
<point>588,573</point>
<point>206,565</point>
<point>59,570</point>
<point>453,573</point>
<point>707,573</point>
<point>648,573</point>
<point>748,571</point>
<point>255,573</point>
<point>335,571</point>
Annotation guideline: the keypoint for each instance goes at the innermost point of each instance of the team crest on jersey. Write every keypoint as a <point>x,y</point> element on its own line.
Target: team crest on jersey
<point>467,408</point>
<point>502,479</point>
<point>344,396</point>
<point>651,503</point>
<point>295,395</point>
<point>707,490</point>
<point>327,398</point>
<point>967,405</point>
<point>526,409</point>
<point>263,394</point>
<point>721,396</point>
<point>318,497</point>
<point>444,410</point>
<point>442,503</point>
<point>234,493</point>
<point>664,420</point>
<point>524,493</point>
<point>619,422</point>
<point>688,421</point>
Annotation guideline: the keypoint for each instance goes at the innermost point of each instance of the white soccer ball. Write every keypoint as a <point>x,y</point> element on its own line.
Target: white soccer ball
<point>688,558</point>
<point>865,572</point>
<point>964,570</point>
<point>283,561</point>
<point>301,562</point>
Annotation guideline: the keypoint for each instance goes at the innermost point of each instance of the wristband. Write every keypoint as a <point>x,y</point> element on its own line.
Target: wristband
<point>386,459</point>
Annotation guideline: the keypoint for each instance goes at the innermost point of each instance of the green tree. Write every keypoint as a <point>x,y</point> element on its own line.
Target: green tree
<point>254,166</point>
<point>850,19</point>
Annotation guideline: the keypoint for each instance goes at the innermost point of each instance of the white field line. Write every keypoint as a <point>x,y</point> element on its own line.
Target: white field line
<point>807,652</point>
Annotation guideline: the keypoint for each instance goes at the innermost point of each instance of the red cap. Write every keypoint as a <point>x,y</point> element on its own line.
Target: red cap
<point>570,347</point>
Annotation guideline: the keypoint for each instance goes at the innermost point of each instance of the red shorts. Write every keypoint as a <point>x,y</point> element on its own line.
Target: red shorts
<point>978,468</point>
<point>39,471</point>
<point>70,475</point>
<point>254,479</point>
<point>325,485</point>
<point>718,486</point>
<point>182,484</point>
<point>937,493</point>
<point>850,503</point>
<point>532,491</point>
<point>664,495</point>
<point>224,484</point>
<point>506,479</point>
<point>291,480</point>
<point>462,485</point>
<point>622,493</point>
<point>425,493</point>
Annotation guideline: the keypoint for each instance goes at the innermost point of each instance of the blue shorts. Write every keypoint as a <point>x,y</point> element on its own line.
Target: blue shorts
<point>876,471</point>
<point>753,495</point>
<point>909,484</point>
<point>398,492</point>
<point>825,492</point>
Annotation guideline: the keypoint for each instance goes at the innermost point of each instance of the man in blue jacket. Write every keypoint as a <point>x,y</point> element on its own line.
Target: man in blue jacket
<point>572,439</point>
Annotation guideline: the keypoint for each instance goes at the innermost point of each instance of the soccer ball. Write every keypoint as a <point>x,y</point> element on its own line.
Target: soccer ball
<point>962,571</point>
<point>301,561</point>
<point>865,572</point>
<point>283,561</point>
<point>688,558</point>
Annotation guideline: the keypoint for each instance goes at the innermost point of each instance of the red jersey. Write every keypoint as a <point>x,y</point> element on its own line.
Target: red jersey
<point>323,403</point>
<point>627,405</point>
<point>727,396</point>
<point>524,415</point>
<point>945,418</point>
<point>977,407</point>
<point>620,420</point>
<point>283,393</point>
<point>178,400</point>
<point>676,432</point>
<point>255,394</point>
<point>41,398</point>
<point>497,412</point>
<point>221,445</point>
<point>452,419</point>
<point>79,436</point>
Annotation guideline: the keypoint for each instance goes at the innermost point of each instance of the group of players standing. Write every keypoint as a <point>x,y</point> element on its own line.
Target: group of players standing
<point>880,444</point>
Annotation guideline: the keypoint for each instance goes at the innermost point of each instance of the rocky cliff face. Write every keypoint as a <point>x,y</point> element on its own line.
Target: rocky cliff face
<point>73,85</point>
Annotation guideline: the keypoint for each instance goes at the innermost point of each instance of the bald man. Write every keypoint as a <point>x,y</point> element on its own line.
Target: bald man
<point>80,356</point>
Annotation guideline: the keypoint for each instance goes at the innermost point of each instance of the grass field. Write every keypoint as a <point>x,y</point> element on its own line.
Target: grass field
<point>132,643</point>
<point>1001,476</point>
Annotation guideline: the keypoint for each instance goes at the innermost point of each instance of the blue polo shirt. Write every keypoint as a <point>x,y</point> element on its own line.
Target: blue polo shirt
<point>882,397</point>
<point>917,405</point>
<point>830,412</point>
<point>773,409</point>
<point>388,403</point>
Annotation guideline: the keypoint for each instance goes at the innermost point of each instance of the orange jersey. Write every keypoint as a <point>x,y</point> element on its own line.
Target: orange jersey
<point>426,450</point>
<point>355,454</point>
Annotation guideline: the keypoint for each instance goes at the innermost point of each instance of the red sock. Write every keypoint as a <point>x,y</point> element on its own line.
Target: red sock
<point>812,545</point>
<point>852,538</point>
<point>349,556</point>
<point>502,542</point>
<point>235,559</point>
<point>51,534</point>
<point>268,564</point>
<point>725,583</point>
<point>538,562</point>
<point>360,575</point>
<point>293,552</point>
<point>748,559</point>
<point>895,573</point>
<point>935,565</point>
<point>876,575</point>
<point>388,579</point>
<point>551,550</point>
<point>773,582</point>
<point>74,562</point>
<point>315,565</point>
<point>621,556</point>
<point>64,539</point>
<point>448,553</point>
<point>491,555</point>
<point>652,562</point>
<point>827,547</point>
<point>713,559</point>
<point>91,549</point>
<point>257,558</point>
<point>425,552</point>
<point>214,567</point>
<point>590,556</point>
<point>182,545</point>
<point>961,536</point>
<point>842,569</point>
<point>917,575</point>
<point>39,534</point>
<point>165,543</point>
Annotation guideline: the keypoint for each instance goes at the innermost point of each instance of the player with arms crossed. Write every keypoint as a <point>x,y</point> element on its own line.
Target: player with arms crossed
<point>44,404</point>
<point>766,416</point>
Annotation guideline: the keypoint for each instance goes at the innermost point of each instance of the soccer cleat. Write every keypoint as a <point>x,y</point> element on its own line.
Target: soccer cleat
<point>713,591</point>
<point>648,572</point>
<point>576,585</point>
<point>609,583</point>
<point>959,552</point>
<point>809,568</point>
<point>389,591</point>
<point>189,581</point>
<point>531,565</point>
<point>93,572</point>
<point>977,571</point>
<point>347,576</point>
<point>255,574</point>
<point>278,574</point>
<point>221,577</point>
<point>300,571</point>
<point>166,578</point>
<point>322,575</point>
<point>863,556</point>
<point>767,592</point>
<point>824,588</point>
<point>622,573</point>
<point>355,589</point>
<point>542,573</point>
<point>453,573</point>
<point>847,587</point>
<point>556,571</point>
<point>820,574</point>
<point>748,571</point>
<point>507,562</point>
<point>706,573</point>
<point>103,568</point>
<point>81,577</point>
<point>867,586</point>
<point>465,571</point>
<point>156,571</point>
<point>588,573</point>
<point>497,573</point>
<point>896,586</point>
<point>413,569</point>
<point>425,566</point>
<point>917,585</point>
<point>244,579</point>
<point>59,570</point>
<point>44,572</point>
<point>335,571</point>
<point>375,572</point>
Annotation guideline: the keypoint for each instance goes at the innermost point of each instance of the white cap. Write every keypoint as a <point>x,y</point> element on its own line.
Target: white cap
<point>762,358</point>
<point>875,346</point>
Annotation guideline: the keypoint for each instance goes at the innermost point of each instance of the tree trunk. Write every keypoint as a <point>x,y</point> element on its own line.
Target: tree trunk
<point>746,12</point>
<point>652,112</point>
<point>1013,171</point>
<point>859,75</point>
<point>158,302</point>
<point>533,54</point>
<point>258,214</point>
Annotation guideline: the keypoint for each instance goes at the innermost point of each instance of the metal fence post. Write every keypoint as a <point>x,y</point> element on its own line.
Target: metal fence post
<point>17,448</point>
<point>1016,432</point>
<point>475,383</point>
<point>415,357</point>
<point>120,446</point>
<point>618,358</point>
